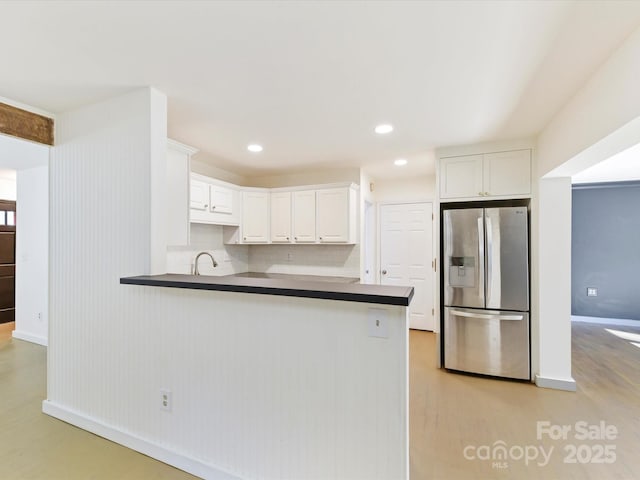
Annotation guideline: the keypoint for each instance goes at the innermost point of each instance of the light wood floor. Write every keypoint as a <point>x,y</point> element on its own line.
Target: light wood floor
<point>448,412</point>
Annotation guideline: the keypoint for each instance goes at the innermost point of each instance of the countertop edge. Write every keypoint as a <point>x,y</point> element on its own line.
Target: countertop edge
<point>400,299</point>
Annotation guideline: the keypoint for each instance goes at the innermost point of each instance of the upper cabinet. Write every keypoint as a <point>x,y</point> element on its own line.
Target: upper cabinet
<point>324,214</point>
<point>177,205</point>
<point>255,217</point>
<point>213,201</point>
<point>304,216</point>
<point>336,215</point>
<point>281,217</point>
<point>499,175</point>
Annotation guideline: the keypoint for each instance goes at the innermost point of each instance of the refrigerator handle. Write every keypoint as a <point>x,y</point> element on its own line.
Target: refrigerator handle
<point>489,233</point>
<point>485,316</point>
<point>481,259</point>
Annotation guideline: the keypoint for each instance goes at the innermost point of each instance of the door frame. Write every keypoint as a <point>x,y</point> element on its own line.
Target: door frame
<point>434,252</point>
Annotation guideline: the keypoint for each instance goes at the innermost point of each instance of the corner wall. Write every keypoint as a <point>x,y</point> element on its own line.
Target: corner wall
<point>32,255</point>
<point>602,119</point>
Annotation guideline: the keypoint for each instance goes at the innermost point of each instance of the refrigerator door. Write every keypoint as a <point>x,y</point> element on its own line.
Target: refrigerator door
<point>490,342</point>
<point>507,263</point>
<point>463,247</point>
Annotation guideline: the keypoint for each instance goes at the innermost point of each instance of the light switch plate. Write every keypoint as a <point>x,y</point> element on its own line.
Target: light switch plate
<point>378,322</point>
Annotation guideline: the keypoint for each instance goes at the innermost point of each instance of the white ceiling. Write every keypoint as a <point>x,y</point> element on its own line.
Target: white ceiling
<point>310,80</point>
<point>623,166</point>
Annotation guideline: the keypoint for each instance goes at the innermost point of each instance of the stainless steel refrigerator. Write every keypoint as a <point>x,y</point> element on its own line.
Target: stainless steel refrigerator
<point>486,291</point>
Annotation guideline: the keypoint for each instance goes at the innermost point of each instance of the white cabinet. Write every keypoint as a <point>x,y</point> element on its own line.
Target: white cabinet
<point>336,215</point>
<point>281,217</point>
<point>255,217</point>
<point>221,199</point>
<point>177,193</point>
<point>500,175</point>
<point>304,216</point>
<point>213,201</point>
<point>199,195</point>
<point>507,173</point>
<point>461,176</point>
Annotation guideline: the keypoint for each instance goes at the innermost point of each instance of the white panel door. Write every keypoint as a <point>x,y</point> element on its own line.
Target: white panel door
<point>281,217</point>
<point>406,253</point>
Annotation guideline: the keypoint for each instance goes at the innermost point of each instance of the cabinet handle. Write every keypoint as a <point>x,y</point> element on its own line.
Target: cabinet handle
<point>206,206</point>
<point>295,238</point>
<point>245,238</point>
<point>486,193</point>
<point>481,194</point>
<point>287,238</point>
<point>320,238</point>
<point>213,207</point>
<point>384,272</point>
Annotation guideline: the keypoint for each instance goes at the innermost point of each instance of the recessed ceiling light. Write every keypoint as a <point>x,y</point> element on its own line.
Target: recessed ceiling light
<point>255,148</point>
<point>400,162</point>
<point>384,128</point>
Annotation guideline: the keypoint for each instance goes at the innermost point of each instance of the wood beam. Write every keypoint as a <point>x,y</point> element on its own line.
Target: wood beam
<point>30,126</point>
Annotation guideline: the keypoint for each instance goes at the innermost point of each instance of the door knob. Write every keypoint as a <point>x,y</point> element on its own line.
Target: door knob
<point>384,272</point>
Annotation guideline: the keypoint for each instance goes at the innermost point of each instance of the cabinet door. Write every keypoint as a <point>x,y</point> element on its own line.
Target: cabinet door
<point>304,216</point>
<point>255,217</point>
<point>333,214</point>
<point>461,177</point>
<point>199,195</point>
<point>221,199</point>
<point>507,173</point>
<point>281,217</point>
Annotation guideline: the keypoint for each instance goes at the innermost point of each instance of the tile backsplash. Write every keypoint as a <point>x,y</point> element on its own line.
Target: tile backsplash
<point>208,238</point>
<point>333,260</point>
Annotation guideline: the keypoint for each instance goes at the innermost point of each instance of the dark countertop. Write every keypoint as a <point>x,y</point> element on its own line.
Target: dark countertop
<point>307,286</point>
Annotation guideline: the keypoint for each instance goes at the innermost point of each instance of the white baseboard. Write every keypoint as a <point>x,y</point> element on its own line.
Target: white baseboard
<point>30,338</point>
<point>568,385</point>
<point>183,462</point>
<point>606,321</point>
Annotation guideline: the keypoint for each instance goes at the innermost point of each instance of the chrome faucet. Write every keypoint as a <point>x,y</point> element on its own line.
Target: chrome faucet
<point>195,263</point>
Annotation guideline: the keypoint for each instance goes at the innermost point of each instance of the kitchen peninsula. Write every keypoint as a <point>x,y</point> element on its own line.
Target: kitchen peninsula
<point>298,375</point>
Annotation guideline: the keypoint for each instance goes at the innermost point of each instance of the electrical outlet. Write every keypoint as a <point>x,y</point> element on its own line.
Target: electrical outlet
<point>39,316</point>
<point>592,292</point>
<point>289,256</point>
<point>166,400</point>
<point>378,323</point>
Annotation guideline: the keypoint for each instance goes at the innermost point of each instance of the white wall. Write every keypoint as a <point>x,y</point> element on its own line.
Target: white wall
<point>414,189</point>
<point>32,255</point>
<point>327,175</point>
<point>30,161</point>
<point>554,288</point>
<point>602,119</point>
<point>208,238</point>
<point>7,184</point>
